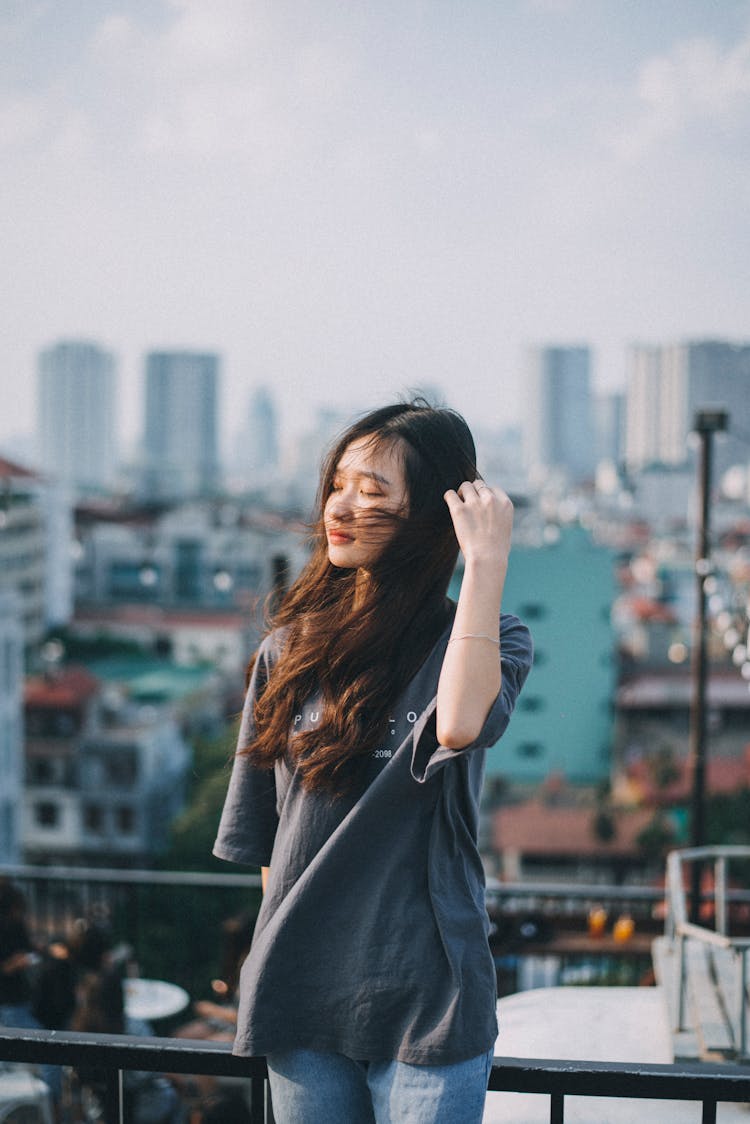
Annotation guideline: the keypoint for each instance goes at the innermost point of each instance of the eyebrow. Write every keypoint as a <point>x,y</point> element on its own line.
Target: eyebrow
<point>362,472</point>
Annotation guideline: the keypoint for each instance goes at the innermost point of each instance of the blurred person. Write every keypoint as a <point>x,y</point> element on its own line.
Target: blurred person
<point>369,985</point>
<point>92,946</point>
<point>220,1013</point>
<point>150,1098</point>
<point>19,961</point>
<point>54,998</point>
<point>216,1019</point>
<point>18,957</point>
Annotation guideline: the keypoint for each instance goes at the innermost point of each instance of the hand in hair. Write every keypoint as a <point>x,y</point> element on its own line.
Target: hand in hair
<point>483,521</point>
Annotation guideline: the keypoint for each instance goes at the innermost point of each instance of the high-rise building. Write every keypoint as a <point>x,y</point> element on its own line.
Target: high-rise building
<point>76,414</point>
<point>257,447</point>
<point>180,438</point>
<point>668,384</point>
<point>609,425</point>
<point>559,431</point>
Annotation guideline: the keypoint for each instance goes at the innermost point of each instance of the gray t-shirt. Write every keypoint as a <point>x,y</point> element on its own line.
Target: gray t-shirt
<point>371,940</point>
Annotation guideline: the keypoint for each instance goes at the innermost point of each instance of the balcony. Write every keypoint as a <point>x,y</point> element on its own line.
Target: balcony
<point>547,1088</point>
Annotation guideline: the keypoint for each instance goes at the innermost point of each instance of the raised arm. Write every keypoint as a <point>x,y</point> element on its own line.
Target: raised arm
<point>470,677</point>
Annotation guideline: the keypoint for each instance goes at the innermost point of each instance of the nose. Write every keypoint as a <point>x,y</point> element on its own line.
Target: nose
<point>339,505</point>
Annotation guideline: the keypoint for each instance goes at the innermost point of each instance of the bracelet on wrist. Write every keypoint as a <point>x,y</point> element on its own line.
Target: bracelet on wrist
<point>475,636</point>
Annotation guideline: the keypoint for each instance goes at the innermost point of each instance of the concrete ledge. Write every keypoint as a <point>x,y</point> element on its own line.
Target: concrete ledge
<point>614,1024</point>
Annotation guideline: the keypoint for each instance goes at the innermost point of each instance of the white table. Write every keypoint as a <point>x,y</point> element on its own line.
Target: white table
<point>153,999</point>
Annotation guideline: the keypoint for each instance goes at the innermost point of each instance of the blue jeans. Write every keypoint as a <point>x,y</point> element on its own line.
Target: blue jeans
<point>308,1087</point>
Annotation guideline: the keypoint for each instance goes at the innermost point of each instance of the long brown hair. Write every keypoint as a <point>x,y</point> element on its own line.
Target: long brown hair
<point>361,659</point>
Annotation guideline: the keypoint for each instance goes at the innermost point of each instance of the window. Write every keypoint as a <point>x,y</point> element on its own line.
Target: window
<point>121,768</point>
<point>34,722</point>
<point>125,820</point>
<point>64,723</point>
<point>188,570</point>
<point>134,581</point>
<point>532,611</point>
<point>93,818</point>
<point>41,770</point>
<point>47,814</point>
<point>43,722</point>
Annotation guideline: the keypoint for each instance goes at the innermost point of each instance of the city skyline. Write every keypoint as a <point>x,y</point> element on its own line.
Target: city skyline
<point>358,202</point>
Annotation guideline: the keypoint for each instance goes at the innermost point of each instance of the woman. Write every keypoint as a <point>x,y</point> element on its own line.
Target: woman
<point>369,985</point>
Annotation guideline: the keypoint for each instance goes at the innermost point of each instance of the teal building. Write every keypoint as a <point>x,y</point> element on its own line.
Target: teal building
<point>563,722</point>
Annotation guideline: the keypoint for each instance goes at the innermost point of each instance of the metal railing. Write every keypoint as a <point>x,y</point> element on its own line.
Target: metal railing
<point>679,928</point>
<point>138,907</point>
<point>133,899</point>
<point>710,1085</point>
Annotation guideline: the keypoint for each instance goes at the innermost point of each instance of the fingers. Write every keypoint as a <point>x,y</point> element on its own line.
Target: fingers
<point>454,501</point>
<point>470,490</point>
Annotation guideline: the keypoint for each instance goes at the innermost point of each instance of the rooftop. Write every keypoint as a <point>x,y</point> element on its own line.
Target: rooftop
<point>538,828</point>
<point>150,679</point>
<point>64,687</point>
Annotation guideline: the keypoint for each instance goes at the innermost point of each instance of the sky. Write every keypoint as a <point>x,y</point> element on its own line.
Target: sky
<point>348,200</point>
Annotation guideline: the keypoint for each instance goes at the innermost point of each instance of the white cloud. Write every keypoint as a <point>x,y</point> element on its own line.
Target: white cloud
<point>115,34</point>
<point>212,34</point>
<point>552,7</point>
<point>73,137</point>
<point>428,141</point>
<point>221,78</point>
<point>22,119</point>
<point>19,18</point>
<point>695,83</point>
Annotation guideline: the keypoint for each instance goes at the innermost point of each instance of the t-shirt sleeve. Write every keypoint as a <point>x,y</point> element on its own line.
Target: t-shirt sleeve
<point>247,828</point>
<point>516,655</point>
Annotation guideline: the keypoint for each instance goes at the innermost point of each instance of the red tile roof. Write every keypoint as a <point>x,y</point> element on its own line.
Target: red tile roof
<point>534,828</point>
<point>70,686</point>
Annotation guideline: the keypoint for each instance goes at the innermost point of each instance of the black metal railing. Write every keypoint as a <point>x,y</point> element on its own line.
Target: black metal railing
<point>709,1085</point>
<point>145,909</point>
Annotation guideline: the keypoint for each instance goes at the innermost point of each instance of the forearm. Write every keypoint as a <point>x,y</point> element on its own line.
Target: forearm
<point>470,678</point>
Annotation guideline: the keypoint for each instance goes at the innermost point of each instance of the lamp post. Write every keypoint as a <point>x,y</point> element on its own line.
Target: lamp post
<point>706,424</point>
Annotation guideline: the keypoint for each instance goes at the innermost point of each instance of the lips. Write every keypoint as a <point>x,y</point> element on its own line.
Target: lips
<point>338,537</point>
